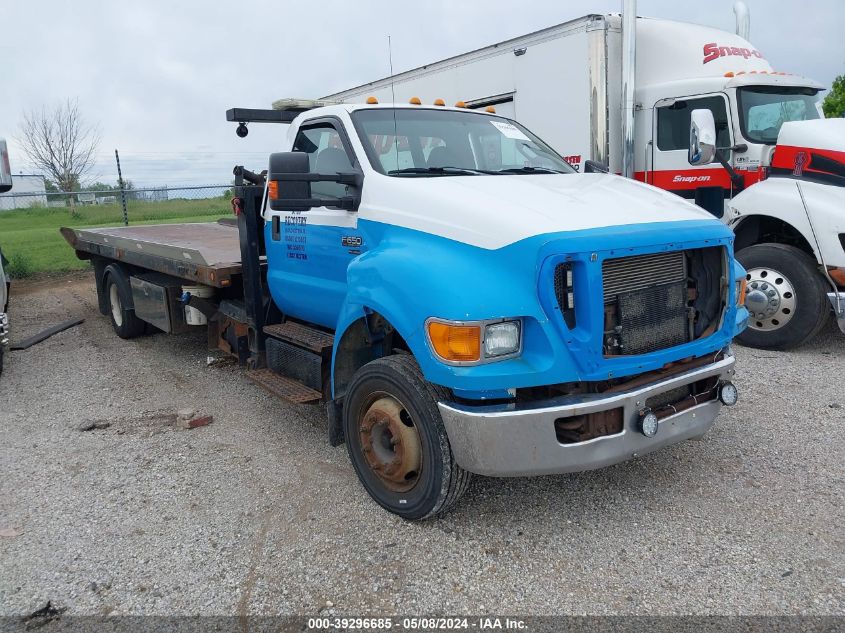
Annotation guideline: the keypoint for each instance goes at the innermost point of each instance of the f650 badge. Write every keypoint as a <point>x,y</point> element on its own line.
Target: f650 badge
<point>351,241</point>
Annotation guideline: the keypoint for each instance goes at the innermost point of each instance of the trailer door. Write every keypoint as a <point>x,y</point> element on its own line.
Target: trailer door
<point>709,185</point>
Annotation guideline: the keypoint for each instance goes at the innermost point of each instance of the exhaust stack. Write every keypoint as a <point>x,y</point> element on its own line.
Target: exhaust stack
<point>743,19</point>
<point>629,69</point>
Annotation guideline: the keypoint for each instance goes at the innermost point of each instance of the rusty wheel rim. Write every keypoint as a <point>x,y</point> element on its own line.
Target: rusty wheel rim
<point>391,443</point>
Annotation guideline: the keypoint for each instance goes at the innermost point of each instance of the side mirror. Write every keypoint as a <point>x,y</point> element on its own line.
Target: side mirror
<point>289,184</point>
<point>702,137</point>
<point>5,168</point>
<point>595,167</point>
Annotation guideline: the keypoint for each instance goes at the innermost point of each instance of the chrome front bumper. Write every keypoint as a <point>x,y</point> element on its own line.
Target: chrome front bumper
<point>838,308</point>
<point>4,329</point>
<point>510,441</point>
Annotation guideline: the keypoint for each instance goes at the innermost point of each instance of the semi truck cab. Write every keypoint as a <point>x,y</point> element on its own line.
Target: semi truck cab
<point>776,179</point>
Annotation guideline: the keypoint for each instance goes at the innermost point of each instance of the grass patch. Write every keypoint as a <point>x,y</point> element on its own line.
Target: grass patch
<point>30,238</point>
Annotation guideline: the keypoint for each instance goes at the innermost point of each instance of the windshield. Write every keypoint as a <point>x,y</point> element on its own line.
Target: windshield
<point>426,142</point>
<point>764,109</point>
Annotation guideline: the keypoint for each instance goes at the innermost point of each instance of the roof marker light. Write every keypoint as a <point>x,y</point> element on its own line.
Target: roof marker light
<point>372,100</point>
<point>729,74</point>
<point>415,101</point>
<point>439,102</point>
<point>490,109</point>
<point>741,72</point>
<point>460,104</point>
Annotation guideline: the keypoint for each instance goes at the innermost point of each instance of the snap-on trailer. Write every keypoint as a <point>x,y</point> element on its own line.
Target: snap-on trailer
<point>777,181</point>
<point>464,313</point>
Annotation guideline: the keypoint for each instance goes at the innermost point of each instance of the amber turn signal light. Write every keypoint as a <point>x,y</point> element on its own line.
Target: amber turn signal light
<point>455,343</point>
<point>742,287</point>
<point>273,189</point>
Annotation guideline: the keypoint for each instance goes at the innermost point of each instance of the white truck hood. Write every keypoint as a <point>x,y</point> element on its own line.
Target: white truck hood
<point>494,211</point>
<point>824,134</point>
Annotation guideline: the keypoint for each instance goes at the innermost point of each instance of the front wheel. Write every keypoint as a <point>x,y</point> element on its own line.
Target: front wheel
<point>397,442</point>
<point>786,298</point>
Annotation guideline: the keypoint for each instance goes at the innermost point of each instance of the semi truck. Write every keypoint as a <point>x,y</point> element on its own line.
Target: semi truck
<point>777,177</point>
<point>476,306</point>
<point>5,185</point>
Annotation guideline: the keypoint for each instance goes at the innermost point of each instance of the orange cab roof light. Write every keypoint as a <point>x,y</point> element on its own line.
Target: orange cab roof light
<point>729,74</point>
<point>415,101</point>
<point>460,104</point>
<point>372,101</point>
<point>439,102</point>
<point>490,109</point>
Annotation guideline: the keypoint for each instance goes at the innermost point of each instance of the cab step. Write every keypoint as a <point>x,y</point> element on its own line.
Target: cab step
<point>285,388</point>
<point>302,336</point>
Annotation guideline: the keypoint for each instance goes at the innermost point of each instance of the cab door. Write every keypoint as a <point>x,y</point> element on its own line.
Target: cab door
<point>707,185</point>
<point>308,252</point>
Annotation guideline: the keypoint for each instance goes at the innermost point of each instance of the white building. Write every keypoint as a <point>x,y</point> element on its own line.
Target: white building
<point>27,190</point>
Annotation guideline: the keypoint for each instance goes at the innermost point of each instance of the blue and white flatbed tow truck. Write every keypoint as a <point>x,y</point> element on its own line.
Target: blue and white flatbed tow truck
<point>460,298</point>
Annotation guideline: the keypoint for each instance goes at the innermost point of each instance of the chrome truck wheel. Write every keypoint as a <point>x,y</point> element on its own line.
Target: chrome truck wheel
<point>770,299</point>
<point>396,439</point>
<point>785,298</point>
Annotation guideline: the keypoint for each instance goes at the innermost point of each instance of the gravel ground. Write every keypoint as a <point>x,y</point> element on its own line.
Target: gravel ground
<point>256,513</point>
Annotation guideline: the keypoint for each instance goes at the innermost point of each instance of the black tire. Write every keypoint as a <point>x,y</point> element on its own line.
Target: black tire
<point>810,310</point>
<point>118,295</point>
<point>439,481</point>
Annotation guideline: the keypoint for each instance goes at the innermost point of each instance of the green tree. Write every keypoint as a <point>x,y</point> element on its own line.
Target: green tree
<point>834,102</point>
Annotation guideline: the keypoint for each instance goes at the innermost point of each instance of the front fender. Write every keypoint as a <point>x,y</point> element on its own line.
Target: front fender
<point>412,276</point>
<point>779,198</point>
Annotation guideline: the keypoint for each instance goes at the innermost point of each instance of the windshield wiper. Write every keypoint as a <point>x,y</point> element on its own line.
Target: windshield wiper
<point>437,171</point>
<point>530,170</point>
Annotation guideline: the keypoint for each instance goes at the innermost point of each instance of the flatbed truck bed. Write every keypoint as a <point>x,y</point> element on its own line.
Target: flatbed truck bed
<point>207,253</point>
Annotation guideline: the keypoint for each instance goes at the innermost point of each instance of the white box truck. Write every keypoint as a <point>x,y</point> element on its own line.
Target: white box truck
<point>778,178</point>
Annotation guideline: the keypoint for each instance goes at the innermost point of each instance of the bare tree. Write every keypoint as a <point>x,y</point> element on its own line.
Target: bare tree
<point>60,143</point>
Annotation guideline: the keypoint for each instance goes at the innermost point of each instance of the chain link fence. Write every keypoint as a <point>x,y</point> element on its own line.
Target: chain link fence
<point>141,205</point>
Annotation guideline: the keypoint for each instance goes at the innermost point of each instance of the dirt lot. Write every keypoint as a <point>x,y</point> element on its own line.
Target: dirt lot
<point>256,513</point>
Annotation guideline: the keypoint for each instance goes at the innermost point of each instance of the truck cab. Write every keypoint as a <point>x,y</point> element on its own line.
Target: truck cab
<point>492,310</point>
<point>776,181</point>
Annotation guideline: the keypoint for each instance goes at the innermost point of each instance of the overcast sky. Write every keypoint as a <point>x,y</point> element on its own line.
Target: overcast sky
<point>157,76</point>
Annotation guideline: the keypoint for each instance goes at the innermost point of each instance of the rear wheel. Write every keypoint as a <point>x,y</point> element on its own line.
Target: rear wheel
<point>397,442</point>
<point>785,298</point>
<point>118,298</point>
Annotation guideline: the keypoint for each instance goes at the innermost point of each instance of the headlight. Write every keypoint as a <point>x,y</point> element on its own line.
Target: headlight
<point>501,339</point>
<point>473,342</point>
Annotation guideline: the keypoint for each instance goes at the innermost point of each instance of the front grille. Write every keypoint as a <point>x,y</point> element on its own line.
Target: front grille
<point>653,318</point>
<point>627,274</point>
<point>646,301</point>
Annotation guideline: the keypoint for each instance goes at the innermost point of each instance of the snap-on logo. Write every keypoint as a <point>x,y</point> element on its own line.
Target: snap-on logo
<point>800,163</point>
<point>714,51</point>
<point>680,178</point>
